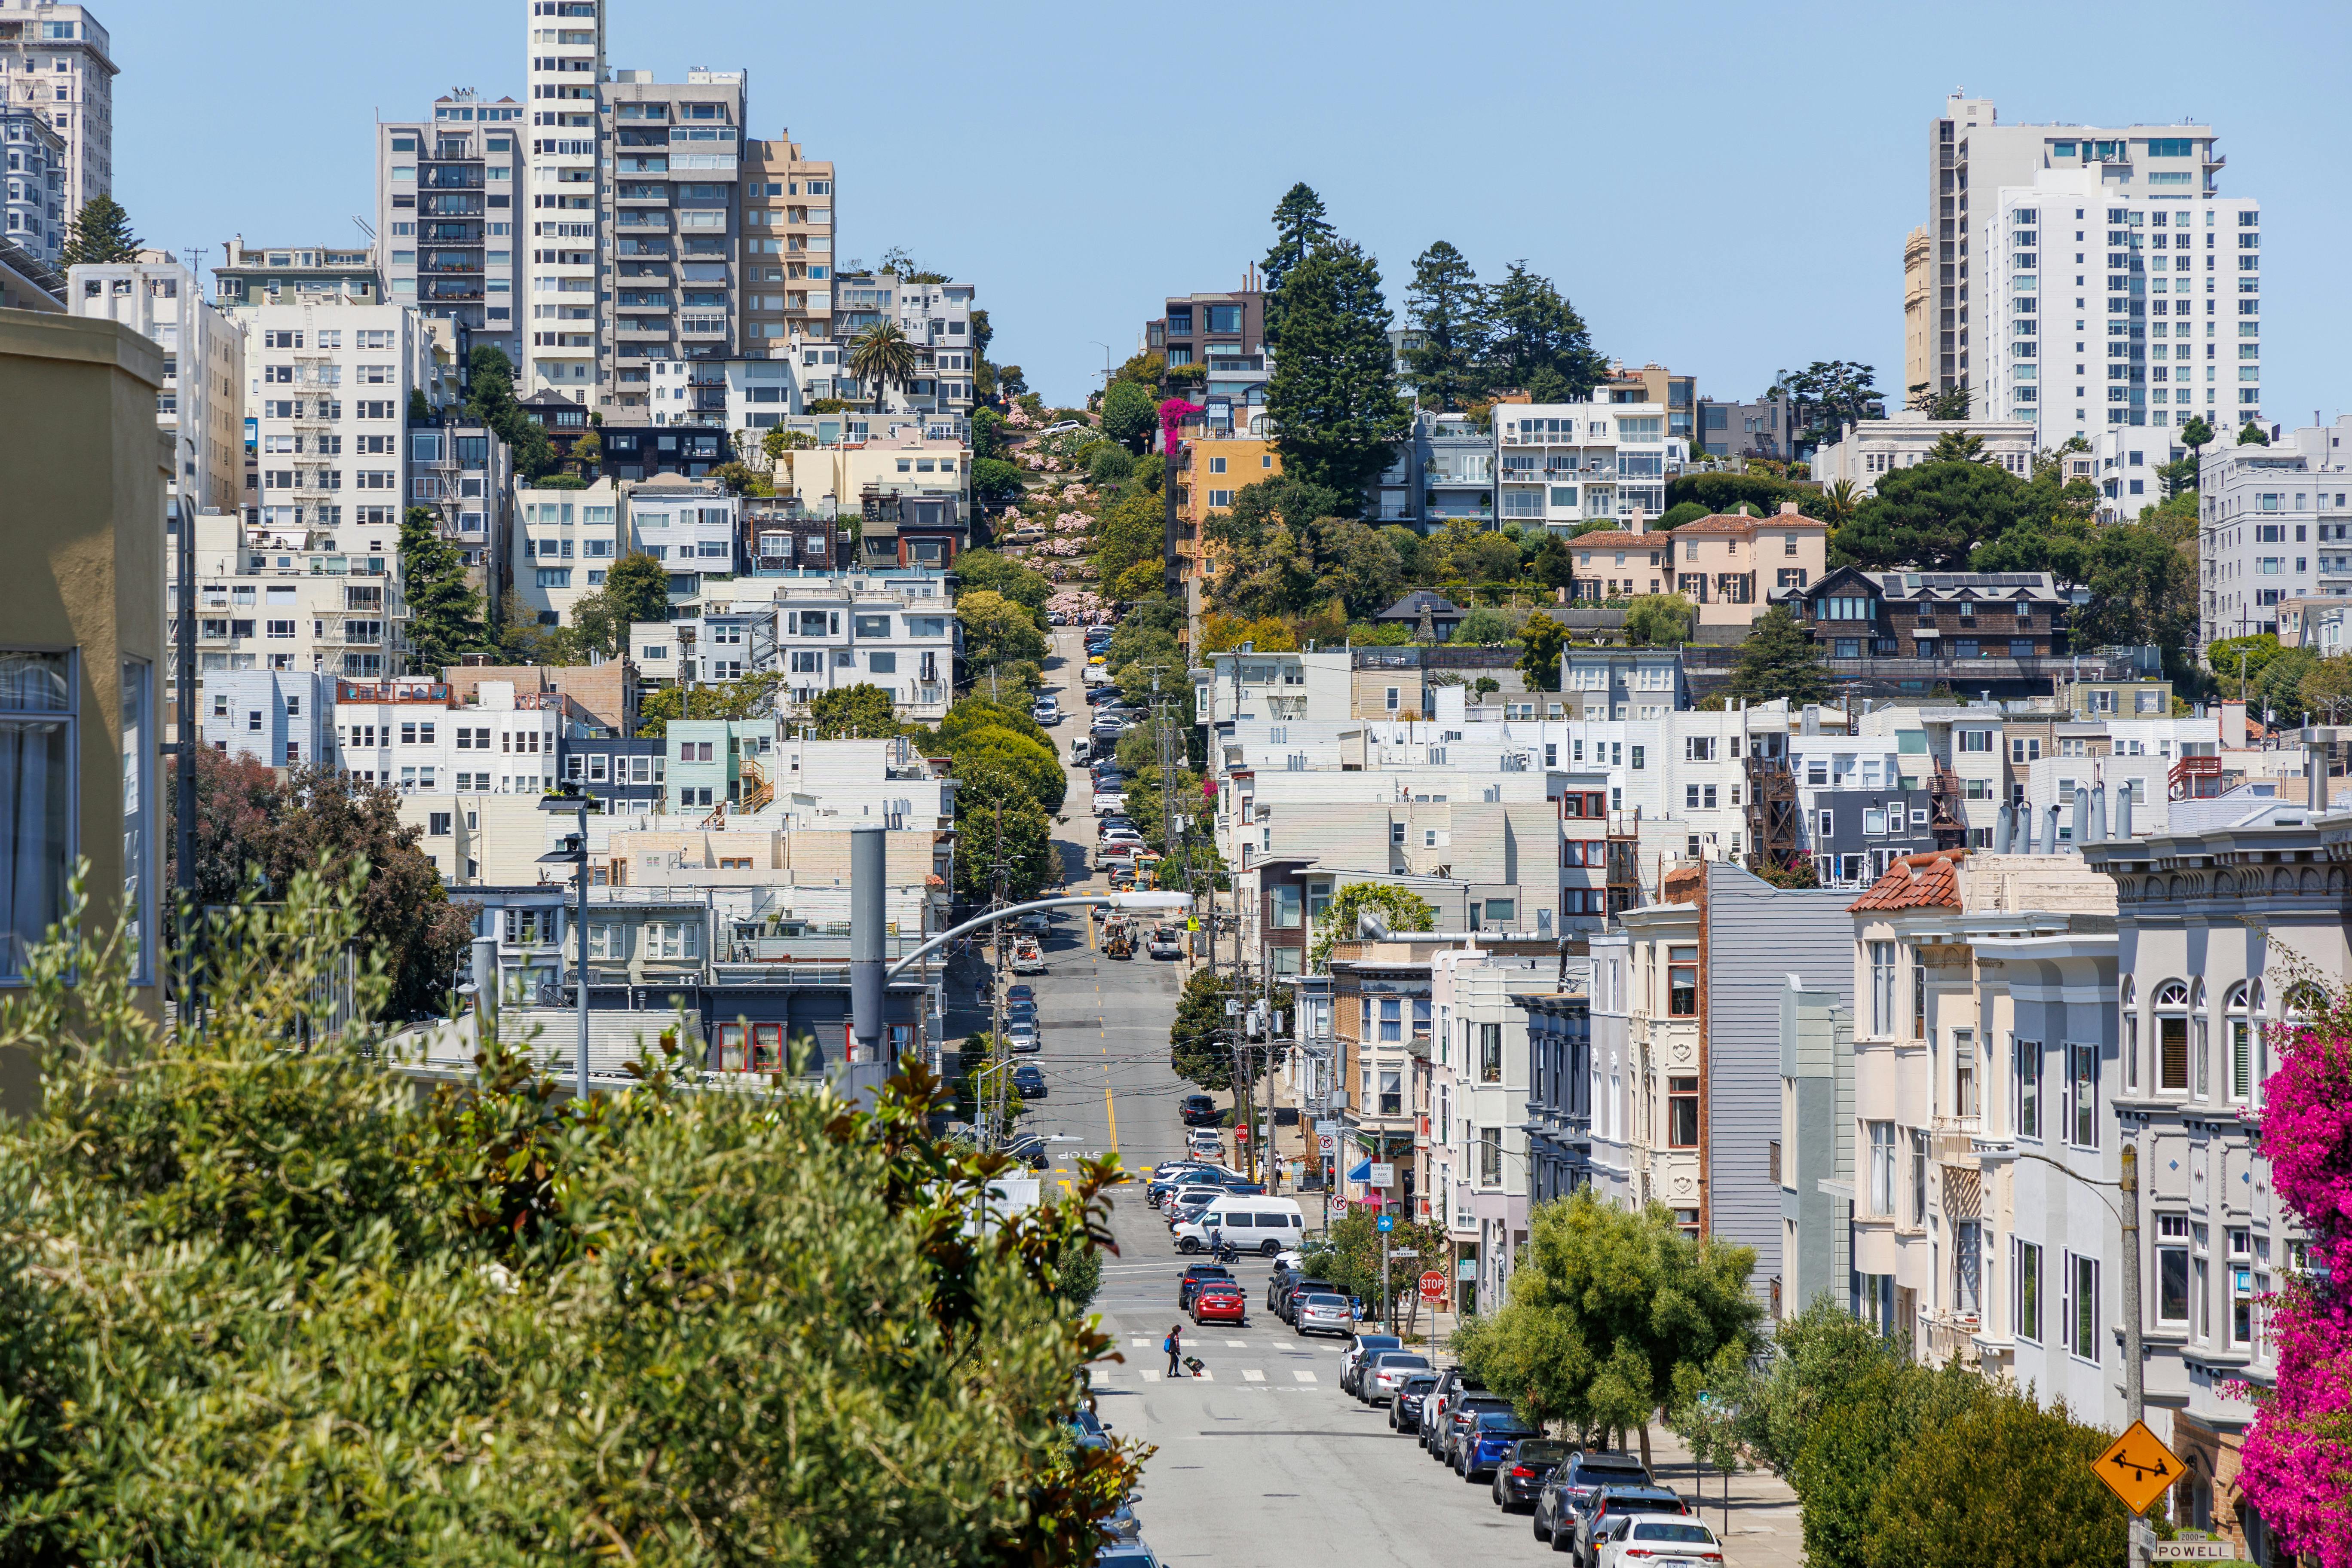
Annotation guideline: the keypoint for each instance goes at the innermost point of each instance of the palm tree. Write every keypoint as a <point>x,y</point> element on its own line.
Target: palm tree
<point>1839,501</point>
<point>1958,447</point>
<point>881,355</point>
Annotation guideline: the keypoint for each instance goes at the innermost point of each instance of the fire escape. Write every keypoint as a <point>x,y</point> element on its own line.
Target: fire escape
<point>1948,821</point>
<point>1772,810</point>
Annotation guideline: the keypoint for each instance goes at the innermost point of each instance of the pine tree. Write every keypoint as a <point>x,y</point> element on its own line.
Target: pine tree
<point>1333,396</point>
<point>1779,659</point>
<point>1541,346</point>
<point>99,233</point>
<point>445,616</point>
<point>1298,228</point>
<point>1448,309</point>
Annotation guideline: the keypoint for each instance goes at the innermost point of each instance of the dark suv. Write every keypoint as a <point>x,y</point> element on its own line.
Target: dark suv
<point>1569,1490</point>
<point>1194,1275</point>
<point>1452,1386</point>
<point>1520,1476</point>
<point>1286,1304</point>
<point>1199,1111</point>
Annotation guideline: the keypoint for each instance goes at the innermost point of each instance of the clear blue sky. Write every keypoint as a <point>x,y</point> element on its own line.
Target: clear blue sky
<point>1725,194</point>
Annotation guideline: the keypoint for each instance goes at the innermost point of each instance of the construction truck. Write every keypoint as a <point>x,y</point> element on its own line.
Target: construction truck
<point>1118,938</point>
<point>1028,956</point>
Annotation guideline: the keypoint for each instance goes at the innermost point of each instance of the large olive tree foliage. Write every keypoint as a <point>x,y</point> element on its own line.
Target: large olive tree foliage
<point>262,1301</point>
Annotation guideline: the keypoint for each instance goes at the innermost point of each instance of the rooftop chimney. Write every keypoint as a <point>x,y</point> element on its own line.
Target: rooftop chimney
<point>1636,525</point>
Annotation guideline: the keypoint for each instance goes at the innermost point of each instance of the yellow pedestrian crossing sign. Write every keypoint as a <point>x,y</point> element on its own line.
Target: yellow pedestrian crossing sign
<point>2137,1467</point>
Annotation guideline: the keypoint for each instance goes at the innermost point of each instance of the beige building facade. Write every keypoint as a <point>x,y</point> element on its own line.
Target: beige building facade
<point>81,639</point>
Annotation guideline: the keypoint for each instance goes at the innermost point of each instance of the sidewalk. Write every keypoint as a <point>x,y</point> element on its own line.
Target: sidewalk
<point>1760,1528</point>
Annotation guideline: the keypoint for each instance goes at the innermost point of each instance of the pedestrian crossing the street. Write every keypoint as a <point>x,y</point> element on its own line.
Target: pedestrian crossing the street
<point>1272,1361</point>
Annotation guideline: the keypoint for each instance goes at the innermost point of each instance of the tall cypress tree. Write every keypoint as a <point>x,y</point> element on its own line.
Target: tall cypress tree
<point>1298,227</point>
<point>445,616</point>
<point>1333,396</point>
<point>1541,346</point>
<point>99,233</point>
<point>1448,309</point>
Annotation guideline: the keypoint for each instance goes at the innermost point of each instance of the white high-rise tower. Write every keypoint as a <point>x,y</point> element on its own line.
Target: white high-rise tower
<point>564,271</point>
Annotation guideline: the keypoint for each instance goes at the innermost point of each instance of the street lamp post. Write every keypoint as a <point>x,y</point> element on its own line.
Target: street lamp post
<point>569,796</point>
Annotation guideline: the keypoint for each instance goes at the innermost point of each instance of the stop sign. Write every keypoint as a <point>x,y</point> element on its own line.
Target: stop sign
<point>1433,1286</point>
<point>1241,1134</point>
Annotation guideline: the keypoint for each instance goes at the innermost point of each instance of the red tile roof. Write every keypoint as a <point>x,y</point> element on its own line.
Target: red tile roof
<point>1916,882</point>
<point>1739,522</point>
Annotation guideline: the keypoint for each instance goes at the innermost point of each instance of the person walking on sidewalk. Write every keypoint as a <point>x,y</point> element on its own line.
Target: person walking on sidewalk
<point>1174,1345</point>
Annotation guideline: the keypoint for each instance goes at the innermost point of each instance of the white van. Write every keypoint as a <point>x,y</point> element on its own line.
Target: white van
<point>1082,752</point>
<point>1260,1224</point>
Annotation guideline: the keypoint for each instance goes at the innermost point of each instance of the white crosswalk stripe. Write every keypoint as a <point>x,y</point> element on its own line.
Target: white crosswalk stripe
<point>1301,1374</point>
<point>1149,1376</point>
<point>1252,1374</point>
<point>1237,1344</point>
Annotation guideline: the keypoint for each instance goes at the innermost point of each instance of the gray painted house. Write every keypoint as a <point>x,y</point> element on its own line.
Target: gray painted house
<point>1816,1156</point>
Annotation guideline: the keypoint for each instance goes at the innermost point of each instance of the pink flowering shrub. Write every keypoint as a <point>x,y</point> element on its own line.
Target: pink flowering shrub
<point>2297,1465</point>
<point>1172,415</point>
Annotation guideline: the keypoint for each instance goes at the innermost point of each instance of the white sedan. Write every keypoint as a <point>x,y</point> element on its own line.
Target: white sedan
<point>1651,1542</point>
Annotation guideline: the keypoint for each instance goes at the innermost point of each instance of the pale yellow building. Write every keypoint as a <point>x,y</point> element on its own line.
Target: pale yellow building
<point>84,472</point>
<point>1919,328</point>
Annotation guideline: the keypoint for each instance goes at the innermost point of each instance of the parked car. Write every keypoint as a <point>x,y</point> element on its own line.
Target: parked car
<point>1021,1033</point>
<point>1114,802</point>
<point>1479,1449</point>
<point>1378,1384</point>
<point>1199,1111</point>
<point>1404,1410</point>
<point>1178,1173</point>
<point>1166,942</point>
<point>1193,1279</point>
<point>1036,922</point>
<point>1020,992</point>
<point>1635,1541</point>
<point>1030,1079</point>
<point>1609,1505</point>
<point>1047,713</point>
<point>1575,1481</point>
<point>1520,1478</point>
<point>1204,1141</point>
<point>1453,1385</point>
<point>1461,1417</point>
<point>1320,1314</point>
<point>1223,1303</point>
<point>1287,1294</point>
<point>1358,1349</point>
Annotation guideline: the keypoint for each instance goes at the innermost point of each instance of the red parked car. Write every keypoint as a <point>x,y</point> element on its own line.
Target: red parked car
<point>1224,1303</point>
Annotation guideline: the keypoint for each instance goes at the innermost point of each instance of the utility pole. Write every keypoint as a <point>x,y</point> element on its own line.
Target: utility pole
<point>2135,1391</point>
<point>183,656</point>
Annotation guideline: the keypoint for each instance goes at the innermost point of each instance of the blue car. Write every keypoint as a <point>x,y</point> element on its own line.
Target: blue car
<point>1030,1079</point>
<point>1481,1450</point>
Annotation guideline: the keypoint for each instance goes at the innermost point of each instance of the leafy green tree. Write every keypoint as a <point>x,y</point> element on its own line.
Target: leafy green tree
<point>1854,1442</point>
<point>998,630</point>
<point>740,478</point>
<point>1930,517</point>
<point>1656,620</point>
<point>744,698</point>
<point>1128,414</point>
<point>860,712</point>
<point>1109,466</point>
<point>882,357</point>
<point>977,732</point>
<point>995,483</point>
<point>418,408</point>
<point>490,401</point>
<point>1614,1314</point>
<point>2237,659</point>
<point>1485,627</point>
<point>997,573</point>
<point>445,616</point>
<point>1952,402</point>
<point>1300,229</point>
<point>1348,1254</point>
<point>1004,840</point>
<point>1540,345</point>
<point>638,586</point>
<point>1402,907</point>
<point>1828,395</point>
<point>1779,659</point>
<point>2327,690</point>
<point>1680,513</point>
<point>1333,395</point>
<point>2281,685</point>
<point>2252,434</point>
<point>1285,499</point>
<point>2197,435</point>
<point>777,441</point>
<point>2143,590</point>
<point>313,1307</point>
<point>1816,1360</point>
<point>254,834</point>
<point>1553,565</point>
<point>1722,492</point>
<point>1958,447</point>
<point>1202,1041</point>
<point>1128,535</point>
<point>2004,1481</point>
<point>100,234</point>
<point>987,433</point>
<point>1447,309</point>
<point>1541,639</point>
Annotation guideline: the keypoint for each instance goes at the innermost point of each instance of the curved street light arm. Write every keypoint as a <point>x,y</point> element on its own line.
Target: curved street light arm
<point>1162,902</point>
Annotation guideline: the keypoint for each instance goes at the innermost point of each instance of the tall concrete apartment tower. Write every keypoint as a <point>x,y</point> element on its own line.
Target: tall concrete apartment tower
<point>1970,155</point>
<point>566,272</point>
<point>54,58</point>
<point>446,190</point>
<point>788,235</point>
<point>672,216</point>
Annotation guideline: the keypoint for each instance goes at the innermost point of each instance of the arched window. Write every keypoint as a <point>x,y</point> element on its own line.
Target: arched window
<point>2239,1019</point>
<point>2130,1035</point>
<point>2171,1064</point>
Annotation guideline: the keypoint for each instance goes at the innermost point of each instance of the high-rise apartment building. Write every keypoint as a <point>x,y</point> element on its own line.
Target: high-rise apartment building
<point>2073,270</point>
<point>33,213</point>
<point>55,59</point>
<point>565,39</point>
<point>327,400</point>
<point>672,210</point>
<point>787,260</point>
<point>2274,524</point>
<point>446,190</point>
<point>202,404</point>
<point>256,275</point>
<point>2119,305</point>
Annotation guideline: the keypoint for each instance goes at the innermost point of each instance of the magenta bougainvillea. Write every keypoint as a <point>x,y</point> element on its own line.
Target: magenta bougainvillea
<point>2297,1466</point>
<point>1172,415</point>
